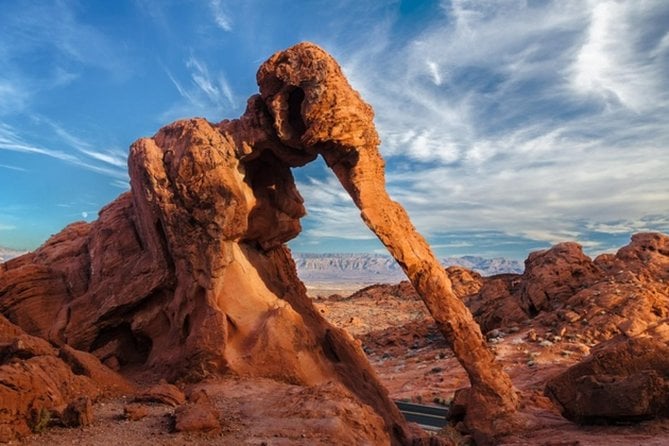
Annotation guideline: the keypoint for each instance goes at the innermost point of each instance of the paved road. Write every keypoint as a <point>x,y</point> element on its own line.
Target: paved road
<point>429,417</point>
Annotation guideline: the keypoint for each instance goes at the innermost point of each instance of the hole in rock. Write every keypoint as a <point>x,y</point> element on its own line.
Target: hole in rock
<point>185,328</point>
<point>342,263</point>
<point>295,99</point>
<point>129,347</point>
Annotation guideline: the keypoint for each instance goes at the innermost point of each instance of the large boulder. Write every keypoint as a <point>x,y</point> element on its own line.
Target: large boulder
<point>621,381</point>
<point>553,275</point>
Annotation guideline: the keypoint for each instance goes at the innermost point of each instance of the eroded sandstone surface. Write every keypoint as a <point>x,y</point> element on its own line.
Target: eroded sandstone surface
<point>188,276</point>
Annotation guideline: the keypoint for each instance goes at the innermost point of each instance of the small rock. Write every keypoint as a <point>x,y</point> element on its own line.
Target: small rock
<point>162,393</point>
<point>78,413</point>
<point>198,415</point>
<point>570,316</point>
<point>112,363</point>
<point>135,412</point>
<point>546,343</point>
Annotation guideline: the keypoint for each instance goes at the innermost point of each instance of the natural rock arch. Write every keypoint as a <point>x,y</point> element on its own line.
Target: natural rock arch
<point>188,274</point>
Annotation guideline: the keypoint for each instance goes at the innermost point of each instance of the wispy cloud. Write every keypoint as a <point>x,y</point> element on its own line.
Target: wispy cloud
<point>109,163</point>
<point>326,201</point>
<point>10,140</point>
<point>542,133</point>
<point>624,58</point>
<point>204,93</point>
<point>111,157</point>
<point>16,168</point>
<point>221,17</point>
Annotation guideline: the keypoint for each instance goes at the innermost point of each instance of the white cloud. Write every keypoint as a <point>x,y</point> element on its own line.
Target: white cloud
<point>612,62</point>
<point>488,100</point>
<point>331,207</point>
<point>207,94</point>
<point>10,167</point>
<point>221,18</point>
<point>10,140</point>
<point>111,166</point>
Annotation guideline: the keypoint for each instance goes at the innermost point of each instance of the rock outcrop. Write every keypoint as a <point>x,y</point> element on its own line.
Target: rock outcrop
<point>41,384</point>
<point>188,276</point>
<point>626,292</point>
<point>626,379</point>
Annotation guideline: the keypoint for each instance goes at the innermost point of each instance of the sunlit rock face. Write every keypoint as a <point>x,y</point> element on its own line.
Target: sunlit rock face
<point>188,276</point>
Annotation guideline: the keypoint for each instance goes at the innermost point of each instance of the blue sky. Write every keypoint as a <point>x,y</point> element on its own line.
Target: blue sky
<point>506,125</point>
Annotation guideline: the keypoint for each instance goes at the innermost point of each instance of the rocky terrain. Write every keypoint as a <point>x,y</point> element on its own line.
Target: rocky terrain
<point>187,278</point>
<point>592,348</point>
<point>178,315</point>
<point>376,268</point>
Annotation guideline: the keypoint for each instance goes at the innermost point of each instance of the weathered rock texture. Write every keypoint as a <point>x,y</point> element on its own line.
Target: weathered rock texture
<point>626,292</point>
<point>188,273</point>
<point>621,381</point>
<point>40,384</point>
<point>622,296</point>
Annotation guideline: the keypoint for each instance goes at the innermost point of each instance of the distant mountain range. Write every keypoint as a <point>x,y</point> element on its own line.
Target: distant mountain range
<point>6,253</point>
<point>365,268</point>
<point>373,268</point>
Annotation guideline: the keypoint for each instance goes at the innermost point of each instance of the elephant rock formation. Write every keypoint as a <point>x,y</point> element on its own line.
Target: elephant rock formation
<point>187,275</point>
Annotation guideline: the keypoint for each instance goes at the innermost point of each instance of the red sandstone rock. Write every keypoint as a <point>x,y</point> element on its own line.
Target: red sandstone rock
<point>622,380</point>
<point>188,276</point>
<point>554,275</point>
<point>162,393</point>
<point>37,384</point>
<point>134,411</point>
<point>464,281</point>
<point>316,112</point>
<point>78,413</point>
<point>198,415</point>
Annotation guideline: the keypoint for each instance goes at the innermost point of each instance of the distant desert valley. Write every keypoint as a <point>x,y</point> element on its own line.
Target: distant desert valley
<point>180,316</point>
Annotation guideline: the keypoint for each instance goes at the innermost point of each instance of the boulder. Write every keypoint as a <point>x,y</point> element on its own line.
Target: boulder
<point>554,275</point>
<point>623,380</point>
<point>162,393</point>
<point>198,415</point>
